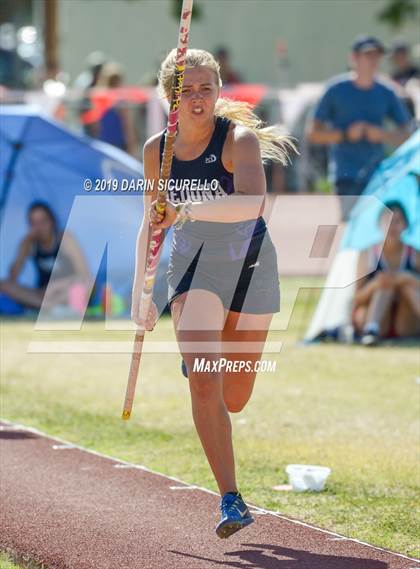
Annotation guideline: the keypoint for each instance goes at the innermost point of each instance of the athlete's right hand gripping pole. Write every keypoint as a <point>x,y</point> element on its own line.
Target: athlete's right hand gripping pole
<point>157,237</point>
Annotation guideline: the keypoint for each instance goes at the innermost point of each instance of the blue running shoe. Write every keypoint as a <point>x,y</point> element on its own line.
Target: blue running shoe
<point>184,369</point>
<point>235,515</point>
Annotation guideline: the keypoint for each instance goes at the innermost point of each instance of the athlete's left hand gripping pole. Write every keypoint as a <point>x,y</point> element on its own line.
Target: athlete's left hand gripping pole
<point>157,237</point>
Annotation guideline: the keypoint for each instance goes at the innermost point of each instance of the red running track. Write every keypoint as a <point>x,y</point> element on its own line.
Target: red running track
<point>74,509</point>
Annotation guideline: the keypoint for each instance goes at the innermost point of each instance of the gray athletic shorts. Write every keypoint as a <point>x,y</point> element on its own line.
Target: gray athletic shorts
<point>249,285</point>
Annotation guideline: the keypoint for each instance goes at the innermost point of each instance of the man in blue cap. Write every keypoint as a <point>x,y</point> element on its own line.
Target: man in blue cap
<point>350,120</point>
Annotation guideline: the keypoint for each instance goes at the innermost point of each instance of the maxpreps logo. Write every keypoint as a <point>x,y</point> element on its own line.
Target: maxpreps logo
<point>210,159</point>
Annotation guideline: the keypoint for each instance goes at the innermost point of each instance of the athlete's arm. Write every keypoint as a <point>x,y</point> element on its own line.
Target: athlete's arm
<point>394,137</point>
<point>248,171</point>
<point>248,180</point>
<point>364,287</point>
<point>250,187</point>
<point>319,133</point>
<point>72,249</point>
<point>151,172</point>
<point>23,253</point>
<point>409,277</point>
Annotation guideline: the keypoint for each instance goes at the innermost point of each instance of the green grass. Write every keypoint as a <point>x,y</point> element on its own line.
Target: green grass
<point>5,562</point>
<point>350,408</point>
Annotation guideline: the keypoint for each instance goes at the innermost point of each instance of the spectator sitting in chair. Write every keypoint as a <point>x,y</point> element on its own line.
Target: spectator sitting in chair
<point>42,244</point>
<point>387,300</point>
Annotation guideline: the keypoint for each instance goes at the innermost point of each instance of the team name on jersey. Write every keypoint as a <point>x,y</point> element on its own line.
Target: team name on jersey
<point>194,190</point>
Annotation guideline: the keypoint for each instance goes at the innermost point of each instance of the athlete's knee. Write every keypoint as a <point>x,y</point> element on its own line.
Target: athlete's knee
<point>237,390</point>
<point>386,282</point>
<point>235,402</point>
<point>235,406</point>
<point>205,387</point>
<point>406,290</point>
<point>401,328</point>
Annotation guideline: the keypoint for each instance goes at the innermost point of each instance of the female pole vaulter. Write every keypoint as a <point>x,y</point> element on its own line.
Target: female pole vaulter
<point>223,278</point>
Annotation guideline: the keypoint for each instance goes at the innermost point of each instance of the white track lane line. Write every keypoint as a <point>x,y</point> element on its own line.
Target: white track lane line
<point>256,509</point>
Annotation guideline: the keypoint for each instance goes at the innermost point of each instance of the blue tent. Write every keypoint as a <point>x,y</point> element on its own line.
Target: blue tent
<point>40,159</point>
<point>396,179</point>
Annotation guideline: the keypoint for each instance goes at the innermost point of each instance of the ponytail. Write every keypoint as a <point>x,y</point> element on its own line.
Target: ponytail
<point>274,144</point>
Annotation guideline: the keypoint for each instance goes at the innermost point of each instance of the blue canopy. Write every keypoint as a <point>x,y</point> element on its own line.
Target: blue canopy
<point>43,160</point>
<point>394,180</point>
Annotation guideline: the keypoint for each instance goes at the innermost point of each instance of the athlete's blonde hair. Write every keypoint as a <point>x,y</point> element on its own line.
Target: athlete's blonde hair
<point>273,143</point>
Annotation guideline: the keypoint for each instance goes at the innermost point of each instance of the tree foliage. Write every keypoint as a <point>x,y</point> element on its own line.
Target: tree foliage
<point>397,12</point>
<point>177,6</point>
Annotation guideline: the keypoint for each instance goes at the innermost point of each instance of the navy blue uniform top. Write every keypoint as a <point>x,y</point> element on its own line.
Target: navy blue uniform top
<point>205,178</point>
<point>379,263</point>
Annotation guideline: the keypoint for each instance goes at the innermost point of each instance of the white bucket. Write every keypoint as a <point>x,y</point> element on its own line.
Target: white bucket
<point>307,477</point>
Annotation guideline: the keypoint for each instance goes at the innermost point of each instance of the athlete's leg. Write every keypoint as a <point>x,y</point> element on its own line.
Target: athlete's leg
<point>26,295</point>
<point>238,386</point>
<point>56,292</point>
<point>190,312</point>
<point>379,309</point>
<point>407,321</point>
<point>359,317</point>
<point>410,292</point>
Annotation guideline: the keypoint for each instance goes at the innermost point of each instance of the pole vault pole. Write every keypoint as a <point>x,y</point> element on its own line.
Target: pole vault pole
<point>157,236</point>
